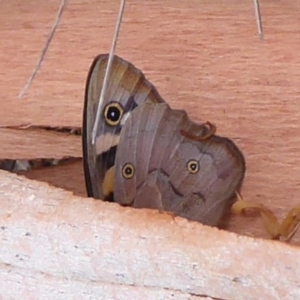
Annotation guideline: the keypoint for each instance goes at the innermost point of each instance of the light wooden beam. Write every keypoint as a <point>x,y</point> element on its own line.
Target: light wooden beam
<point>55,245</point>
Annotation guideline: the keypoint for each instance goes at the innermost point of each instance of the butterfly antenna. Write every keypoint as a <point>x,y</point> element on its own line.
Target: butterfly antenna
<point>258,19</point>
<point>108,68</point>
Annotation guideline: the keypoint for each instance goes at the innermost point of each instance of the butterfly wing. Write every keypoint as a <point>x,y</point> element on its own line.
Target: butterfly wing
<point>127,88</point>
<point>192,178</point>
<point>206,173</point>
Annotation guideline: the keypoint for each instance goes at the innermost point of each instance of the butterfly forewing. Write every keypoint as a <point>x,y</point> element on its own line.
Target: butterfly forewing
<point>127,88</point>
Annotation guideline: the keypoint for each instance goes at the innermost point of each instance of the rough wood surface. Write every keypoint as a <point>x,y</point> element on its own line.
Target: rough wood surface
<point>55,245</point>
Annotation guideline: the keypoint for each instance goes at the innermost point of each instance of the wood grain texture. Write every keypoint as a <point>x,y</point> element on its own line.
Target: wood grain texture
<point>203,57</point>
<point>38,143</point>
<point>54,240</point>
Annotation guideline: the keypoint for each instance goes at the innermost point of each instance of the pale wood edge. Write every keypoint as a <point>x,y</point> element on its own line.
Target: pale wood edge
<point>18,283</point>
<point>53,241</point>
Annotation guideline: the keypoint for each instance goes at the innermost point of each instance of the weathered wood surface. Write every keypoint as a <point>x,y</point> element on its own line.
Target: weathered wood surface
<point>57,246</point>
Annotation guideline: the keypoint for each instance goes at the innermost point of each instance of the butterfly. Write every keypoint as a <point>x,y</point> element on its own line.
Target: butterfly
<point>149,155</point>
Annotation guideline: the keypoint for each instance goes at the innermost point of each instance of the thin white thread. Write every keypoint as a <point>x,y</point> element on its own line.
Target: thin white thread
<point>258,19</point>
<point>107,71</point>
<point>48,41</point>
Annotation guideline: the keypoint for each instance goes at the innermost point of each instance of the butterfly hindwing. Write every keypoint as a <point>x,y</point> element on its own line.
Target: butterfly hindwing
<point>158,167</point>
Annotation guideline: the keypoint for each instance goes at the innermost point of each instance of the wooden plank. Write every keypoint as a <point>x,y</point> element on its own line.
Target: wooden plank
<point>38,143</point>
<point>54,237</point>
